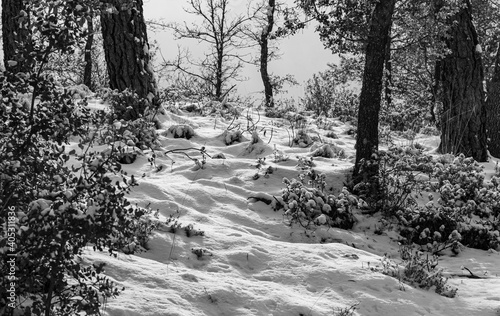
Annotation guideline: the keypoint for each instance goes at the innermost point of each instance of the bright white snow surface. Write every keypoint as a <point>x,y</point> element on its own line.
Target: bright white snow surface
<point>257,265</point>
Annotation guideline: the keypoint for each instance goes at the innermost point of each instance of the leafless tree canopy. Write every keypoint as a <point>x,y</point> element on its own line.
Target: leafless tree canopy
<point>225,33</point>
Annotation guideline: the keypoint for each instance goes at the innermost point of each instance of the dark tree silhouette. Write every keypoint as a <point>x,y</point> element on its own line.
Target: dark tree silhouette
<point>87,54</point>
<point>460,89</point>
<point>493,110</point>
<point>14,36</point>
<point>370,97</point>
<point>126,50</point>
<point>264,52</point>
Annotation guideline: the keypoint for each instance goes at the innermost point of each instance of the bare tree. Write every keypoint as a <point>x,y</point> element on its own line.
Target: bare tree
<point>225,34</point>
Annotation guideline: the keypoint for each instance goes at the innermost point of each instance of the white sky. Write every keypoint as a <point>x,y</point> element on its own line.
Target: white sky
<point>301,55</point>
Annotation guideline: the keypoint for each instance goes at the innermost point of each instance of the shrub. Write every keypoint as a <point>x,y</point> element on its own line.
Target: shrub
<point>56,209</point>
<point>302,139</point>
<point>402,172</point>
<point>328,151</point>
<point>419,270</point>
<point>126,104</point>
<point>181,131</point>
<point>133,130</point>
<point>326,94</point>
<point>464,173</point>
<point>281,108</point>
<point>231,137</point>
<point>466,213</point>
<point>310,206</point>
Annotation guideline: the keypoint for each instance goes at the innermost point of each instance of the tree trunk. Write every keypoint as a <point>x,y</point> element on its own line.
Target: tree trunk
<point>126,49</point>
<point>13,35</point>
<point>87,74</point>
<point>388,74</point>
<point>370,97</point>
<point>219,73</point>
<point>461,91</point>
<point>264,53</point>
<point>493,110</point>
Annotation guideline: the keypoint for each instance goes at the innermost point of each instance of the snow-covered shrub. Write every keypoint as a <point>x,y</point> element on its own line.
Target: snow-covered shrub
<point>126,104</point>
<point>418,270</point>
<point>181,131</point>
<point>431,227</point>
<point>174,226</point>
<point>231,137</point>
<point>279,156</point>
<point>476,222</point>
<point>79,91</point>
<point>140,134</point>
<point>316,180</point>
<point>403,173</point>
<point>201,253</point>
<point>328,151</point>
<point>311,206</point>
<point>466,205</point>
<point>463,173</point>
<point>57,209</point>
<point>305,163</point>
<point>261,162</point>
<point>302,139</point>
<point>281,108</point>
<point>135,131</point>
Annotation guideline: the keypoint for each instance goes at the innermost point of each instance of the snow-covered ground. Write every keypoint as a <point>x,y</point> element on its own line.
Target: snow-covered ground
<point>254,263</point>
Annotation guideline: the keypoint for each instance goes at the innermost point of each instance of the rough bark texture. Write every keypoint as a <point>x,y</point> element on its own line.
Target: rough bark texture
<point>493,110</point>
<point>264,53</point>
<point>388,74</point>
<point>463,121</point>
<point>87,74</point>
<point>370,97</point>
<point>126,49</point>
<point>12,35</point>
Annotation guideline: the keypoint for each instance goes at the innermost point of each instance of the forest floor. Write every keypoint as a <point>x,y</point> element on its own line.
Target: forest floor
<point>249,261</point>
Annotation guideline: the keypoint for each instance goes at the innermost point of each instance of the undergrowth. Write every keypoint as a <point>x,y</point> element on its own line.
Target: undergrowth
<point>462,209</point>
<point>419,270</point>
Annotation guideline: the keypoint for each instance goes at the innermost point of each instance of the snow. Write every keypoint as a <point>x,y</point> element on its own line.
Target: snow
<point>249,262</point>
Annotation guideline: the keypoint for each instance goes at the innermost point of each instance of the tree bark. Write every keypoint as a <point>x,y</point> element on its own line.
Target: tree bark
<point>493,110</point>
<point>370,97</point>
<point>461,91</point>
<point>388,74</point>
<point>126,49</point>
<point>264,53</point>
<point>87,74</point>
<point>13,35</point>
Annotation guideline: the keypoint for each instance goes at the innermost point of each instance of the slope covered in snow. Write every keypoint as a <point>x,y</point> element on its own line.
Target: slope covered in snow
<point>249,261</point>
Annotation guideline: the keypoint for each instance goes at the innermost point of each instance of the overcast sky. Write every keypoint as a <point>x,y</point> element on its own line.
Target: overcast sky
<point>302,55</point>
